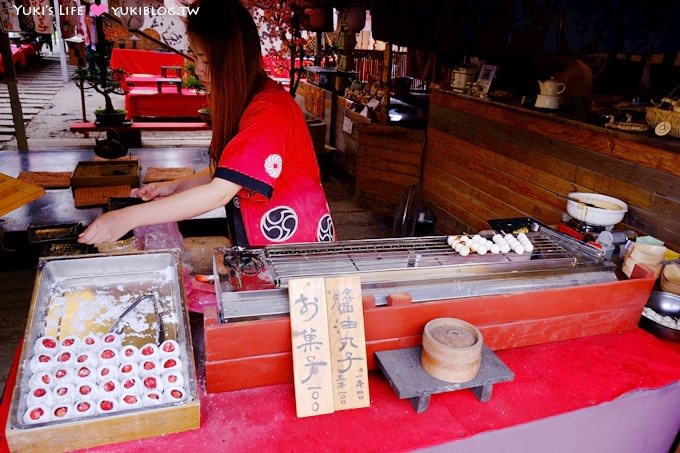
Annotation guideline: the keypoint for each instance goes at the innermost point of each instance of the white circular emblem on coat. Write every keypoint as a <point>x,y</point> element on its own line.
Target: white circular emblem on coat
<point>325,232</point>
<point>279,224</point>
<point>273,165</point>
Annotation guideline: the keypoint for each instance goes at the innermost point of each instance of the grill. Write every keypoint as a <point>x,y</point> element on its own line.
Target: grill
<point>253,282</point>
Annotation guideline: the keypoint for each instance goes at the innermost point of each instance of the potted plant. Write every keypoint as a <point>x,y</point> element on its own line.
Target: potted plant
<point>98,76</point>
<point>192,81</point>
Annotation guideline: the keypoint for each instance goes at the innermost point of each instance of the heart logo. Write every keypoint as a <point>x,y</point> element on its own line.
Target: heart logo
<point>98,10</point>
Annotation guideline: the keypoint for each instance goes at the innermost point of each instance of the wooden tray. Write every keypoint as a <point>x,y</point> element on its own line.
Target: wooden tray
<point>102,173</point>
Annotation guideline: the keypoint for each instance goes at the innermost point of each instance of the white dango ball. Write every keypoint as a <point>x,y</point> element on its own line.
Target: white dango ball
<point>464,251</point>
<point>505,248</point>
<point>459,246</point>
<point>482,249</point>
<point>518,249</point>
<point>451,240</point>
<point>495,249</point>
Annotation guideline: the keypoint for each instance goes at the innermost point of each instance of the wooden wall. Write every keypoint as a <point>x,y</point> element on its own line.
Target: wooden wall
<point>485,160</point>
<point>384,159</point>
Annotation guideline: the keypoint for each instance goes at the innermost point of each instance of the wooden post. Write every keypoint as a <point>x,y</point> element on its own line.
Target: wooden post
<point>13,91</point>
<point>387,70</point>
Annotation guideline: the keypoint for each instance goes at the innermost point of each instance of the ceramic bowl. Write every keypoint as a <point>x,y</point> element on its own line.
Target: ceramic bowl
<point>596,209</point>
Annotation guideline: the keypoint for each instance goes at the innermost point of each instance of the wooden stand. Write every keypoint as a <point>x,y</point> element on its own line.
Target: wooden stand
<point>404,371</point>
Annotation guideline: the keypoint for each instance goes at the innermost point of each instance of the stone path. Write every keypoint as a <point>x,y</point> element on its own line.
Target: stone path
<point>38,82</point>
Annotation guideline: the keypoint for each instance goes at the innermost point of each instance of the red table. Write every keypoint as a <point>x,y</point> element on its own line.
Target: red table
<point>135,61</point>
<point>613,392</point>
<point>148,102</point>
<point>20,54</point>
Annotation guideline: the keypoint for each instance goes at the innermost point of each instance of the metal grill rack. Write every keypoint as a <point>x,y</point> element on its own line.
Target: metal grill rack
<point>425,267</point>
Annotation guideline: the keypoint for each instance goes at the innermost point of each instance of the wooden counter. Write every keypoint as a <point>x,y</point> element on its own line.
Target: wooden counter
<point>486,160</point>
<point>384,159</point>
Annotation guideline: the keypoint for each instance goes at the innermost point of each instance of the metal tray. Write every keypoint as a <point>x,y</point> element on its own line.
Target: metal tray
<point>83,295</point>
<point>46,234</point>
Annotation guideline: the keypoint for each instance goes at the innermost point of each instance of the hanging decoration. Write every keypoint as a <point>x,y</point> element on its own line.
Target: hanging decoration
<point>24,14</point>
<point>161,21</point>
<point>43,17</point>
<point>69,18</point>
<point>9,20</point>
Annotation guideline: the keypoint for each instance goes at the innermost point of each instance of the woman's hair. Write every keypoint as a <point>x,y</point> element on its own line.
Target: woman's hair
<point>226,32</point>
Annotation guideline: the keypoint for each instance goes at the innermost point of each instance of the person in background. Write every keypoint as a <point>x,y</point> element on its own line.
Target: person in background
<point>263,166</point>
<point>577,98</point>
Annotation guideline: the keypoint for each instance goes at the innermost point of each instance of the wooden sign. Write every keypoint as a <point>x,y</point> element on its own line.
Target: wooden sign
<point>310,347</point>
<point>347,342</point>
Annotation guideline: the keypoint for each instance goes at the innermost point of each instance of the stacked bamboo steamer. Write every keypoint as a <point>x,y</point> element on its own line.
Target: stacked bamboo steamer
<point>452,350</point>
<point>648,254</point>
<point>670,279</point>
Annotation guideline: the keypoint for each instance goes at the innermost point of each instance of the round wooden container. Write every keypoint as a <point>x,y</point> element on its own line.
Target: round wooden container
<point>452,350</point>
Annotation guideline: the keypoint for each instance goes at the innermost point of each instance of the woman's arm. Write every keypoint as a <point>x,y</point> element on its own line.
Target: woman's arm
<point>167,188</point>
<point>179,206</point>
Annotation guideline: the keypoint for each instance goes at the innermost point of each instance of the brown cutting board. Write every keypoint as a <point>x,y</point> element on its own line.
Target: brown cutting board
<point>15,193</point>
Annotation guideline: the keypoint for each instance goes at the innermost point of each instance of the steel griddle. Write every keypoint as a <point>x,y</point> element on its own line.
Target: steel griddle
<point>253,282</point>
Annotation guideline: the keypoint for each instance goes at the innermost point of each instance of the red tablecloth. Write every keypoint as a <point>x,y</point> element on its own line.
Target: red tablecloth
<point>550,379</point>
<point>135,61</point>
<point>147,102</point>
<point>20,54</point>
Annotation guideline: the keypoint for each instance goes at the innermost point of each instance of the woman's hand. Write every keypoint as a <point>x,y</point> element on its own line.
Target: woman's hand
<point>107,227</point>
<point>157,189</point>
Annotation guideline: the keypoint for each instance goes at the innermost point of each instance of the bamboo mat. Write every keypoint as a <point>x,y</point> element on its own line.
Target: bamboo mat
<point>47,179</point>
<point>15,193</point>
<point>156,174</point>
<point>88,197</point>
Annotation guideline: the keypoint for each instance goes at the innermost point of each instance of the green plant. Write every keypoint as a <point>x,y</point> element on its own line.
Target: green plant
<point>101,78</point>
<point>191,80</point>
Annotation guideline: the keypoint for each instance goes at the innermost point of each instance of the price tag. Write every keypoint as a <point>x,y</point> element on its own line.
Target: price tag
<point>347,125</point>
<point>373,104</point>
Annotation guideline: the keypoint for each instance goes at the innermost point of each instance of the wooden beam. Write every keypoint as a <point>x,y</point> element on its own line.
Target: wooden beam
<point>14,101</point>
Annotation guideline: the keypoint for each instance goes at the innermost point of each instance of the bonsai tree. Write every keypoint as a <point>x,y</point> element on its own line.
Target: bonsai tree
<point>105,81</point>
<point>191,80</point>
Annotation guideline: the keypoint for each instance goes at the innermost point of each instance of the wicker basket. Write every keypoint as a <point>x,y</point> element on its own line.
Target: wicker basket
<point>655,116</point>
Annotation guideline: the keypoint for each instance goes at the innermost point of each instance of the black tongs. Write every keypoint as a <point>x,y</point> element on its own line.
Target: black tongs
<point>161,327</point>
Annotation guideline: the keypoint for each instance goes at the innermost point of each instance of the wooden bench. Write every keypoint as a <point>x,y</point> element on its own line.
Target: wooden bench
<point>131,134</point>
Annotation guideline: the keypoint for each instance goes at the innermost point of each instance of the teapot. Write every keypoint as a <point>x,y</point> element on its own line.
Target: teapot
<point>551,87</point>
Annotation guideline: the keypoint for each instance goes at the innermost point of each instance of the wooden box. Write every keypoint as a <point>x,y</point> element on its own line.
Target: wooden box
<point>87,296</point>
<point>258,352</point>
<point>101,173</point>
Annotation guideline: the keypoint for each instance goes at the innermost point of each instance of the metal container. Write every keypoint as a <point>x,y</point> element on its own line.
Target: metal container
<point>661,316</point>
<point>139,296</point>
